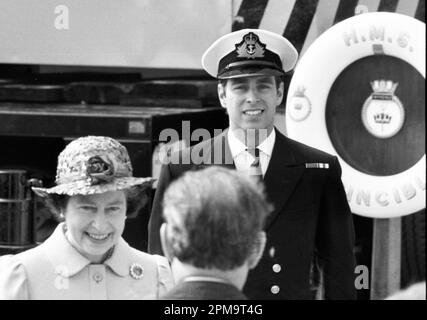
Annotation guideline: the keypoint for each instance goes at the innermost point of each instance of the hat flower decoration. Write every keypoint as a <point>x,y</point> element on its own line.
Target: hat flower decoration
<point>99,170</point>
<point>93,164</point>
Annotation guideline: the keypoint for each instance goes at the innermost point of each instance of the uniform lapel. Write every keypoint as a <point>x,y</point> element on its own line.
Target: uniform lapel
<point>283,172</point>
<point>282,176</point>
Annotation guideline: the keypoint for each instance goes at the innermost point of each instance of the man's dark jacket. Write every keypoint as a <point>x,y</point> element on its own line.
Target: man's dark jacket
<point>311,218</point>
<point>204,290</point>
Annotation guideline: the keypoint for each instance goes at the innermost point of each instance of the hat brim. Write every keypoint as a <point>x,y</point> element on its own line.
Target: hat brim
<point>240,73</point>
<point>82,188</point>
<point>226,43</point>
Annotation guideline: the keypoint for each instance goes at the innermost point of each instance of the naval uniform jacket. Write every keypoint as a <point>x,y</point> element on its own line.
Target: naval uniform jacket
<point>311,217</point>
<point>56,271</point>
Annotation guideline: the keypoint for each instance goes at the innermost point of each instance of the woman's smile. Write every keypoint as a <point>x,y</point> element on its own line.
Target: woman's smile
<point>98,238</point>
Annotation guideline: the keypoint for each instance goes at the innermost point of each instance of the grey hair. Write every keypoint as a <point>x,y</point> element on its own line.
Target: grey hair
<point>213,217</point>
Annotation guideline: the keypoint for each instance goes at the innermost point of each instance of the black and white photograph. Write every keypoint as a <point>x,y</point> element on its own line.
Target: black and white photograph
<point>214,156</point>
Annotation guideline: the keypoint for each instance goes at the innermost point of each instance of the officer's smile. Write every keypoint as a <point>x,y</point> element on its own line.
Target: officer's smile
<point>253,112</point>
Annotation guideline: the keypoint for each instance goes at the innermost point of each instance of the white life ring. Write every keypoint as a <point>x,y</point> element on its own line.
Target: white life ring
<point>397,35</point>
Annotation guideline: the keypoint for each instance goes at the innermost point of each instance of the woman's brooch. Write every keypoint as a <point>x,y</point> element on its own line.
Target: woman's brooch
<point>136,271</point>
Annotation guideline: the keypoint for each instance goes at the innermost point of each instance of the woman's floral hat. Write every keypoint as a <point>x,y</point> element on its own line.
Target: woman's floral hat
<point>93,164</point>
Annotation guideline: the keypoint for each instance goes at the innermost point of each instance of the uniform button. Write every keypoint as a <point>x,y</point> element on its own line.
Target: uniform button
<point>277,268</point>
<point>275,289</point>
<point>97,277</point>
<point>272,252</point>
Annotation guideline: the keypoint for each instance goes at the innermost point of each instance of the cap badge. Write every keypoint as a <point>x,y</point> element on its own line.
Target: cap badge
<point>136,271</point>
<point>250,47</point>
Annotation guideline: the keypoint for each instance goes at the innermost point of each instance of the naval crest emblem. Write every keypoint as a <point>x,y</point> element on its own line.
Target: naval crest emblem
<point>383,113</point>
<point>250,47</point>
<point>300,107</point>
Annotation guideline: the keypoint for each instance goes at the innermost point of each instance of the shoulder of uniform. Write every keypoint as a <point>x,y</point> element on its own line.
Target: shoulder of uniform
<point>310,154</point>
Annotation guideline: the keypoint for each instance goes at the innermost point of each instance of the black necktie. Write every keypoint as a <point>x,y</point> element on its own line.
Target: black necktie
<point>255,168</point>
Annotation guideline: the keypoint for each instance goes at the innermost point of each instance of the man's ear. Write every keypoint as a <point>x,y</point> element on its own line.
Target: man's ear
<point>221,94</point>
<point>280,93</point>
<point>258,250</point>
<point>163,241</point>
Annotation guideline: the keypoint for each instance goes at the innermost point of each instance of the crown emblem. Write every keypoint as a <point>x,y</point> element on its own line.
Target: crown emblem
<point>300,106</point>
<point>250,47</point>
<point>382,118</point>
<point>383,89</point>
<point>382,113</point>
<point>299,92</point>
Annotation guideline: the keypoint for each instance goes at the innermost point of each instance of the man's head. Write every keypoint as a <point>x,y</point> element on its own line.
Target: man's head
<point>214,219</point>
<point>250,65</point>
<point>251,102</point>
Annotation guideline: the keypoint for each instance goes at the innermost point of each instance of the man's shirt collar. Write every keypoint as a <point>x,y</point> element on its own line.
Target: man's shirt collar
<point>237,147</point>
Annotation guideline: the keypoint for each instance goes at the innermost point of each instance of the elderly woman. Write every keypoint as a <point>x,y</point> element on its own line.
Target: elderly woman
<point>86,257</point>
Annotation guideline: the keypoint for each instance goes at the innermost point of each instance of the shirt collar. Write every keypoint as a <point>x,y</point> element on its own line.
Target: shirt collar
<point>205,278</point>
<point>237,147</point>
<point>68,261</point>
<point>267,145</point>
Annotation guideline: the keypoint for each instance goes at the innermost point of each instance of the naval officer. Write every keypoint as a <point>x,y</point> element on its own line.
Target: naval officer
<point>311,220</point>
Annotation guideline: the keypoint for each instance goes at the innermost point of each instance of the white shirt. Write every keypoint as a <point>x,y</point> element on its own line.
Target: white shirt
<point>243,159</point>
<point>205,278</point>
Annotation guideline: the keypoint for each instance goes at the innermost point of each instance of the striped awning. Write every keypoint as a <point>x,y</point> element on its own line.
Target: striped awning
<point>302,21</point>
